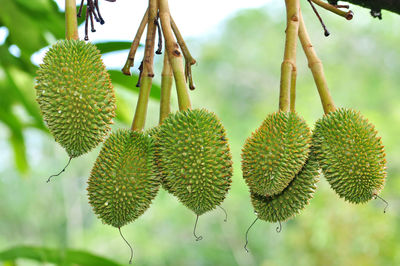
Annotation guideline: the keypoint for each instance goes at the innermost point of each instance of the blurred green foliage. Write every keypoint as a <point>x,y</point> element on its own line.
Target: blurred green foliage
<point>58,257</point>
<point>238,64</point>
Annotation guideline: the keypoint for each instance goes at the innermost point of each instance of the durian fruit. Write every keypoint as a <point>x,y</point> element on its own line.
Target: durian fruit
<point>195,159</point>
<point>292,199</point>
<point>75,95</point>
<point>350,154</point>
<point>122,183</point>
<point>275,153</point>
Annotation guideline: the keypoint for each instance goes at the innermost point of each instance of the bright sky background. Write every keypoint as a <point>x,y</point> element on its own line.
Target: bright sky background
<point>193,17</point>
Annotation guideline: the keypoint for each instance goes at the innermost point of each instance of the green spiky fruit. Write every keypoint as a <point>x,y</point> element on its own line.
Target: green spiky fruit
<point>351,155</point>
<point>122,183</point>
<point>293,198</point>
<point>75,95</point>
<point>275,153</point>
<point>195,159</point>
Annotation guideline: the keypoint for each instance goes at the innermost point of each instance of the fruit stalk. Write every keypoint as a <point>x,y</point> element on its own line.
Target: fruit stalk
<point>175,56</point>
<point>135,44</point>
<point>293,90</point>
<point>315,64</point>
<point>71,22</point>
<point>166,85</point>
<point>147,74</point>
<point>289,58</point>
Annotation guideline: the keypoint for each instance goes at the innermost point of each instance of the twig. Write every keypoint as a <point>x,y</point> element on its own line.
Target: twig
<point>189,60</point>
<point>326,32</point>
<point>315,64</point>
<point>289,59</point>
<point>135,44</point>
<point>92,14</point>
<point>147,74</point>
<point>335,9</point>
<point>160,37</point>
<point>86,38</point>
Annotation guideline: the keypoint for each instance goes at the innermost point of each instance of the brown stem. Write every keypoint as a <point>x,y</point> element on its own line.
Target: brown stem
<point>326,32</point>
<point>289,59</point>
<point>147,74</point>
<point>135,44</point>
<point>334,9</point>
<point>175,56</point>
<point>150,39</point>
<point>375,5</point>
<point>315,64</point>
<point>189,60</point>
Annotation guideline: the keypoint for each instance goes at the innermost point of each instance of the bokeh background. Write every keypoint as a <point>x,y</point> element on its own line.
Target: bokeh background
<point>237,76</point>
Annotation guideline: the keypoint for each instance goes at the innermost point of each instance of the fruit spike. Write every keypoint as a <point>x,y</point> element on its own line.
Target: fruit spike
<point>75,95</point>
<point>350,154</point>
<point>194,158</point>
<point>122,183</point>
<point>293,198</point>
<point>275,153</point>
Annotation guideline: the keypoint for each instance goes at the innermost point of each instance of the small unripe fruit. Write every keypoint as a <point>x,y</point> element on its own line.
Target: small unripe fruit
<point>75,95</point>
<point>350,154</point>
<point>122,183</point>
<point>194,158</point>
<point>275,153</point>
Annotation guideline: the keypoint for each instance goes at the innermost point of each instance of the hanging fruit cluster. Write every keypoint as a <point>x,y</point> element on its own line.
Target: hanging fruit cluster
<point>281,159</point>
<point>188,153</point>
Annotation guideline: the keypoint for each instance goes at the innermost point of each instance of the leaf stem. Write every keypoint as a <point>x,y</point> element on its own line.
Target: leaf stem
<point>315,64</point>
<point>147,74</point>
<point>175,56</point>
<point>166,85</point>
<point>289,59</point>
<point>71,22</point>
<point>135,44</point>
<point>346,14</point>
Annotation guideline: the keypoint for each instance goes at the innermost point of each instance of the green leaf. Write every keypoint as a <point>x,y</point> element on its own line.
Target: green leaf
<point>56,256</point>
<point>24,97</point>
<point>35,5</point>
<point>108,47</point>
<point>9,263</point>
<point>129,83</point>
<point>24,30</point>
